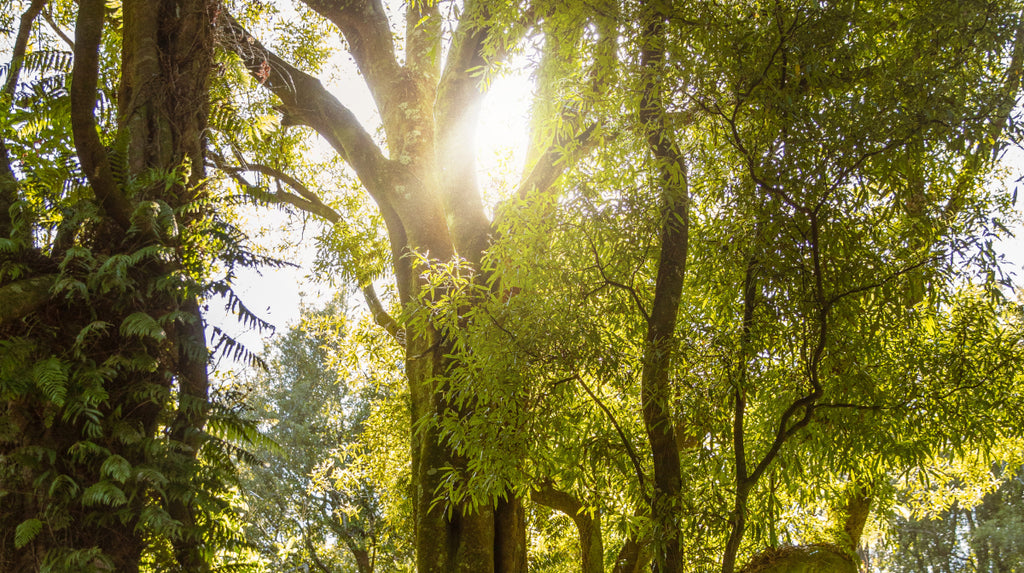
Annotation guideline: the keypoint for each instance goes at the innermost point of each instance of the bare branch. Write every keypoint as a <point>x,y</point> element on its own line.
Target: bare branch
<point>57,30</point>
<point>381,316</point>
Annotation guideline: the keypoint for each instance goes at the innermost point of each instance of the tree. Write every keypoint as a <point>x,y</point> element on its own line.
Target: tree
<point>761,233</point>
<point>317,497</point>
<point>105,251</point>
<point>982,538</point>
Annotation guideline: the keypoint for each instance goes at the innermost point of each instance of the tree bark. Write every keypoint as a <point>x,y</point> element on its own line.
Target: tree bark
<point>660,342</point>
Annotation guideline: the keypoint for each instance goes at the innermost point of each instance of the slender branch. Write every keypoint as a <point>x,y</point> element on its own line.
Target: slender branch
<point>8,179</point>
<point>381,316</point>
<point>279,196</point>
<point>558,157</point>
<point>633,457</point>
<point>314,555</point>
<point>744,483</point>
<point>310,202</point>
<point>881,282</point>
<point>20,44</point>
<point>84,75</point>
<point>57,30</point>
<point>629,289</point>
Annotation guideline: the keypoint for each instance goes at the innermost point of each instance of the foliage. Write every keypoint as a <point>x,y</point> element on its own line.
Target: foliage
<point>326,492</point>
<point>745,290</point>
<point>979,537</point>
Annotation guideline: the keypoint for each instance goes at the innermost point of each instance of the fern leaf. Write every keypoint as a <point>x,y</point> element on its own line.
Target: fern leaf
<point>50,376</point>
<point>141,325</point>
<point>116,468</point>
<point>26,532</point>
<point>103,493</point>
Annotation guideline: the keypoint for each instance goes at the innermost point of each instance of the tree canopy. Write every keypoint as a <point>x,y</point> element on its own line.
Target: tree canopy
<point>741,305</point>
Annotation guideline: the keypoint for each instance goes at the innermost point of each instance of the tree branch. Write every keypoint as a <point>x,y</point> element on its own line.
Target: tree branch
<point>364,23</point>
<point>21,298</point>
<point>57,30</point>
<point>305,101</point>
<point>633,457</point>
<point>20,43</point>
<point>589,527</point>
<point>8,180</point>
<point>381,316</point>
<point>306,200</point>
<point>457,107</point>
<point>84,75</point>
<point>311,203</point>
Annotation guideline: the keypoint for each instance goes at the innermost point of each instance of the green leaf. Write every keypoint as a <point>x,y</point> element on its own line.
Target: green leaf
<point>117,468</point>
<point>103,493</point>
<point>26,532</point>
<point>50,377</point>
<point>141,325</point>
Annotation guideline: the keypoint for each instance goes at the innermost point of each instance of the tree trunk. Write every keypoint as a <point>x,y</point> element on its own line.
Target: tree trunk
<point>166,51</point>
<point>655,393</point>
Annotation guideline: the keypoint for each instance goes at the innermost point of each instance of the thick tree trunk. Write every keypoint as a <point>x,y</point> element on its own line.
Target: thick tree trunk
<point>167,56</point>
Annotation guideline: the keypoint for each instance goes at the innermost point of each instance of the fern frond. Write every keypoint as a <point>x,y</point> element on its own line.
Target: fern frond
<point>103,493</point>
<point>235,305</point>
<point>141,325</point>
<point>26,532</point>
<point>228,347</point>
<point>51,377</point>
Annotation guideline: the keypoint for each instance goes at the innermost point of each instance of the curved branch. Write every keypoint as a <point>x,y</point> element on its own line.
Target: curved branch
<point>364,23</point>
<point>311,203</point>
<point>588,525</point>
<point>90,150</point>
<point>57,30</point>
<point>305,101</point>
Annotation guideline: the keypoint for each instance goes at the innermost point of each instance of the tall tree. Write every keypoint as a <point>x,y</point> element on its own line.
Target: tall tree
<point>748,237</point>
<point>319,493</point>
<point>104,254</point>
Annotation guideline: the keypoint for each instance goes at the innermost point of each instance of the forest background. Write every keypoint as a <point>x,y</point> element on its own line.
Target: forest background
<point>740,305</point>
